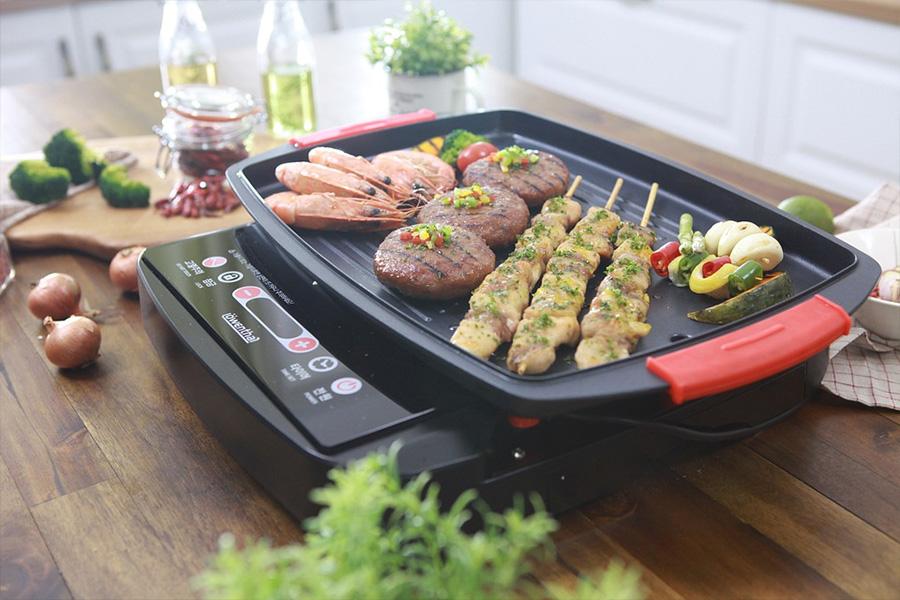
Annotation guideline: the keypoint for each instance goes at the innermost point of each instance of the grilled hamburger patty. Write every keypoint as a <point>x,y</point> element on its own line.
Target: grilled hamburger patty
<point>498,223</point>
<point>535,183</point>
<point>439,273</point>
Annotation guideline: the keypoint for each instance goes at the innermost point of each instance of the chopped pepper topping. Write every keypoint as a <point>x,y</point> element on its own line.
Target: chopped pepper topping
<point>514,157</point>
<point>467,197</point>
<point>427,235</point>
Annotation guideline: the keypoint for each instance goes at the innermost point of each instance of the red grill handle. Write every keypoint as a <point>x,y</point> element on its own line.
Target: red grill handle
<point>329,135</point>
<point>753,352</point>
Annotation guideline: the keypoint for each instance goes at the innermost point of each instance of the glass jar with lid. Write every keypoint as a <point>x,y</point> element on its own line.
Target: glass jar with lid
<point>206,128</point>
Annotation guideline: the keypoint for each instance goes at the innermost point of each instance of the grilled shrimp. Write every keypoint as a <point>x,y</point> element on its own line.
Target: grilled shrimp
<point>325,211</point>
<point>310,178</point>
<point>356,165</point>
<point>439,174</point>
<point>405,178</point>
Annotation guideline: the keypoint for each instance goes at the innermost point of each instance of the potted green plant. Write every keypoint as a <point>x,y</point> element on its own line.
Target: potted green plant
<point>426,57</point>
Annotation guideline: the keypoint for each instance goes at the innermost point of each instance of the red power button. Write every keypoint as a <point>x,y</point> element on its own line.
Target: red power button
<point>247,292</point>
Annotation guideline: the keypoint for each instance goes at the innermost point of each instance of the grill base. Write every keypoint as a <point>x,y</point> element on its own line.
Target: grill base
<point>566,459</point>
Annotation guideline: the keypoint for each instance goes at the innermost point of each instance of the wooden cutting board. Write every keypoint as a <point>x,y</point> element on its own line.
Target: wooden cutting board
<point>85,222</point>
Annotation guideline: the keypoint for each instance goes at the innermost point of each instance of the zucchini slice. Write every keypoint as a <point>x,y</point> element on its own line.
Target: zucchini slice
<point>773,289</point>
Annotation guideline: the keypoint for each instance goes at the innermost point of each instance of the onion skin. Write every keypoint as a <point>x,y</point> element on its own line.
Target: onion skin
<point>56,295</point>
<point>123,268</point>
<point>72,343</point>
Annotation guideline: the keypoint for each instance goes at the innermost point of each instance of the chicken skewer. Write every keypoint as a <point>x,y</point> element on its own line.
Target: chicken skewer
<point>496,306</point>
<point>552,318</point>
<point>616,322</point>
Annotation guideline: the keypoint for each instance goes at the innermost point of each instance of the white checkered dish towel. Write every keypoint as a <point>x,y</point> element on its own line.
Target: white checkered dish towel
<point>864,367</point>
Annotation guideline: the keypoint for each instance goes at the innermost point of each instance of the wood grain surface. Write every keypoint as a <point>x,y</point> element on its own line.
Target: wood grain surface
<point>112,488</point>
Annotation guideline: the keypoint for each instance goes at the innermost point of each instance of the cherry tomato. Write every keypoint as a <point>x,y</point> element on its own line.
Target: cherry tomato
<point>405,236</point>
<point>439,241</point>
<point>474,152</point>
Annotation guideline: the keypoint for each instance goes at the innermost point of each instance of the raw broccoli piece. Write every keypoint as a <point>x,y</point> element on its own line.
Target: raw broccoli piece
<point>97,166</point>
<point>457,141</point>
<point>67,149</point>
<point>120,191</point>
<point>38,182</point>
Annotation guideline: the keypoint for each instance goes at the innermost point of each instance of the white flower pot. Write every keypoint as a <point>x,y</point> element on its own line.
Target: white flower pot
<point>444,94</point>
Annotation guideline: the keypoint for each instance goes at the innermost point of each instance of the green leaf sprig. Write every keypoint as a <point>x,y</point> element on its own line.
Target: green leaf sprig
<point>377,537</point>
<point>428,42</point>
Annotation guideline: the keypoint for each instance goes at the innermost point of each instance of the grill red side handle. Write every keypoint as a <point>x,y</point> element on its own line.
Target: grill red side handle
<point>329,135</point>
<point>753,352</point>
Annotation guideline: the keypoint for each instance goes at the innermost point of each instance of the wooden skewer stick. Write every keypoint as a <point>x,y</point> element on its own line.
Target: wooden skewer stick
<point>573,187</point>
<point>651,200</point>
<point>614,193</point>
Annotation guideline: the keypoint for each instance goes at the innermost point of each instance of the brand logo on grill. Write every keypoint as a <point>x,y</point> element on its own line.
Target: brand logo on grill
<point>242,330</point>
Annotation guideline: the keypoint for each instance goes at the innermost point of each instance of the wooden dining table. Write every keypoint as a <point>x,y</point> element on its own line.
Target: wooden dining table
<point>111,486</point>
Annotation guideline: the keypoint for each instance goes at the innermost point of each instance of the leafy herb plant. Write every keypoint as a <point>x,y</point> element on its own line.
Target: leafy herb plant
<point>428,42</point>
<point>378,538</point>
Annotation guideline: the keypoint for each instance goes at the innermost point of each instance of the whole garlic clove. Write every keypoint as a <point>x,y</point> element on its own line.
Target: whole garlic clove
<point>735,234</point>
<point>889,285</point>
<point>760,247</point>
<point>714,234</point>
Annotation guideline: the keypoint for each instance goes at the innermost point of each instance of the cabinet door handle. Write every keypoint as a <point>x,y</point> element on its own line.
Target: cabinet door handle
<point>333,21</point>
<point>102,53</point>
<point>66,56</point>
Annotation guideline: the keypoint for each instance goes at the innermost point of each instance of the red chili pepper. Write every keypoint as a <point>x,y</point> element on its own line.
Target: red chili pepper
<point>712,266</point>
<point>661,258</point>
<point>405,236</point>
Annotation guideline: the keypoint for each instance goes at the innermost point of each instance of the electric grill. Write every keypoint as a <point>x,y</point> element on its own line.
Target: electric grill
<point>298,359</point>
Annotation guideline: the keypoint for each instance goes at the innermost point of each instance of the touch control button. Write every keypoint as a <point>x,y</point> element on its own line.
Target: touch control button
<point>321,364</point>
<point>346,386</point>
<point>211,262</point>
<point>230,276</point>
<point>247,292</point>
<point>303,344</point>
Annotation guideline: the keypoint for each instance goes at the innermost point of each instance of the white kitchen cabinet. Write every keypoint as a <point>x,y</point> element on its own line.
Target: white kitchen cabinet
<point>692,67</point>
<point>39,45</point>
<point>810,93</point>
<point>91,37</point>
<point>832,114</point>
<point>119,35</point>
<point>125,35</point>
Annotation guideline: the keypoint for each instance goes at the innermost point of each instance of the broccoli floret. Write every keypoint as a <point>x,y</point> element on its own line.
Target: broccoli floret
<point>67,149</point>
<point>97,166</point>
<point>457,141</point>
<point>120,191</point>
<point>38,182</point>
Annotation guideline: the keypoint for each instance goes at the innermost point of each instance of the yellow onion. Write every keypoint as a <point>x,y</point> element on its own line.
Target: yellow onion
<point>72,343</point>
<point>123,268</point>
<point>56,295</point>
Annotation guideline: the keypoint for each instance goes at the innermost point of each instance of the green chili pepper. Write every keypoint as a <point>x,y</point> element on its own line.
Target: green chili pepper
<point>686,232</point>
<point>748,275</point>
<point>675,274</point>
<point>688,263</point>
